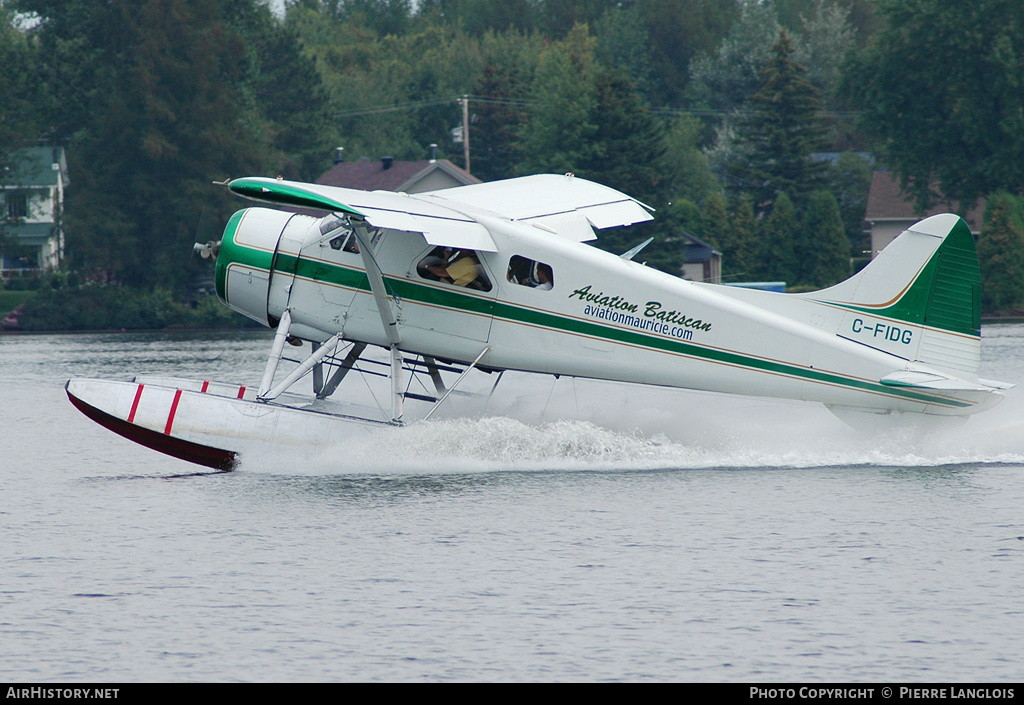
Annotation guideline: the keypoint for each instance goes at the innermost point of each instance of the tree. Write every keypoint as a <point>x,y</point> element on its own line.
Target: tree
<point>500,113</point>
<point>778,241</point>
<point>823,249</point>
<point>1001,254</point>
<point>723,80</point>
<point>741,251</point>
<point>941,88</point>
<point>159,98</point>
<point>290,95</point>
<point>629,148</point>
<point>849,179</point>
<point>623,42</point>
<point>680,30</point>
<point>689,172</point>
<point>782,132</point>
<point>715,224</point>
<point>558,136</point>
<point>17,113</point>
<point>825,39</point>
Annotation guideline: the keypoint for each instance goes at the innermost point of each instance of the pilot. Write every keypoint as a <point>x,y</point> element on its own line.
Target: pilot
<point>465,270</point>
<point>433,268</point>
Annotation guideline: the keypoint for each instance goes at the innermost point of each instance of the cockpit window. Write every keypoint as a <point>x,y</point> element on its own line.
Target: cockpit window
<point>338,235</point>
<point>458,267</point>
<point>531,273</point>
<point>345,241</point>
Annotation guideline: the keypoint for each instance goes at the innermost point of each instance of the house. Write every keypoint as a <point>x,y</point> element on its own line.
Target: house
<point>701,262</point>
<point>389,174</point>
<point>31,197</point>
<point>889,211</point>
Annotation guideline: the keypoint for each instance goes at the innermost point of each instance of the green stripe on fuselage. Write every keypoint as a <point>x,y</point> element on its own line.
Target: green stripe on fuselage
<point>435,295</point>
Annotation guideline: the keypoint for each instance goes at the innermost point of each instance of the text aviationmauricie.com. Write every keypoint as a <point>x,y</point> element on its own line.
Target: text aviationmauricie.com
<point>919,693</point>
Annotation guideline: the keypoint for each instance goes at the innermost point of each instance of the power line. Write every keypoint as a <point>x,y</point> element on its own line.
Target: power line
<point>489,100</point>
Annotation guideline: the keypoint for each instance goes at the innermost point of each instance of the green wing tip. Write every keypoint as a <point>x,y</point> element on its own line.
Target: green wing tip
<point>288,194</point>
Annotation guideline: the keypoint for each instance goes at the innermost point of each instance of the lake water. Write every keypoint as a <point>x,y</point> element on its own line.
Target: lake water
<point>568,530</point>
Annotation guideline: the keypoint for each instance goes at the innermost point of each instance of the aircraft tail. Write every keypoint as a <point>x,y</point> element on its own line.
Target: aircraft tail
<point>920,298</point>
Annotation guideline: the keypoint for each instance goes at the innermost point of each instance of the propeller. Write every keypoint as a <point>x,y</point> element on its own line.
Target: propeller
<point>207,226</point>
<point>208,250</point>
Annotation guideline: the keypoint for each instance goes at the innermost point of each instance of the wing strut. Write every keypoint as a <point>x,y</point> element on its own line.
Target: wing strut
<point>304,367</point>
<point>456,384</point>
<point>387,314</point>
<point>373,273</point>
<point>339,374</point>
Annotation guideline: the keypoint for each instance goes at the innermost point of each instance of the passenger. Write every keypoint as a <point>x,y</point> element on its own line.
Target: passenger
<point>544,277</point>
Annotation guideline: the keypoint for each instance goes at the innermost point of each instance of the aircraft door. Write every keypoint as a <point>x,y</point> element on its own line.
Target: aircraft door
<point>286,258</point>
<point>327,274</point>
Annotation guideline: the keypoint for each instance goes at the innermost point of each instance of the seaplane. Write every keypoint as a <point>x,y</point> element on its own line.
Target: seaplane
<point>499,276</point>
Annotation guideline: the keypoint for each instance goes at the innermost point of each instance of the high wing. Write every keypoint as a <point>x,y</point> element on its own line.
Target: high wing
<point>440,225</point>
<point>562,205</point>
<point>565,205</point>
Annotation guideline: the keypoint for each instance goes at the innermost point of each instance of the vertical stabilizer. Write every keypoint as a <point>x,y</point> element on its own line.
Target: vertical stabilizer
<point>928,280</point>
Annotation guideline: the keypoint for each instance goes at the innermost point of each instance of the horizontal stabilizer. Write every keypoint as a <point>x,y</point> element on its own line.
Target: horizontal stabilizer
<point>939,382</point>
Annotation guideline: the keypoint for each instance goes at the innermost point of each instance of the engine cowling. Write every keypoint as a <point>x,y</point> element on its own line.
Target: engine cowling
<point>248,259</point>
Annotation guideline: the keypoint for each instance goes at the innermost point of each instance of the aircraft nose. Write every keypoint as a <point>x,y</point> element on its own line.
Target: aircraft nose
<point>246,257</point>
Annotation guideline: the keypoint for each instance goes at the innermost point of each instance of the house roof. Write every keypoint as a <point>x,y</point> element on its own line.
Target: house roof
<point>886,201</point>
<point>696,250</point>
<point>34,166</point>
<point>376,175</point>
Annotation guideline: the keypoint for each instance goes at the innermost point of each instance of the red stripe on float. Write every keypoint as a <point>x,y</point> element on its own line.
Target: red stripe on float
<point>206,385</point>
<point>241,392</point>
<point>170,416</point>
<point>135,404</point>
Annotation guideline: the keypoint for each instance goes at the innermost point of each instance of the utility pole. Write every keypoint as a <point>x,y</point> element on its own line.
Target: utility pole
<point>465,130</point>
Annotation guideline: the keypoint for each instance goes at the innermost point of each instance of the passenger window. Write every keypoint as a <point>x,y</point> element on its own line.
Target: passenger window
<point>458,267</point>
<point>528,272</point>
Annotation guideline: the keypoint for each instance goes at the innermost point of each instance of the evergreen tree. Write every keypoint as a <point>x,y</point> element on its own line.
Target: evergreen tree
<point>715,224</point>
<point>1001,255</point>
<point>500,111</point>
<point>849,179</point>
<point>291,96</point>
<point>782,132</point>
<point>778,238</point>
<point>823,249</point>
<point>628,149</point>
<point>741,251</point>
<point>163,101</point>
<point>558,137</point>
